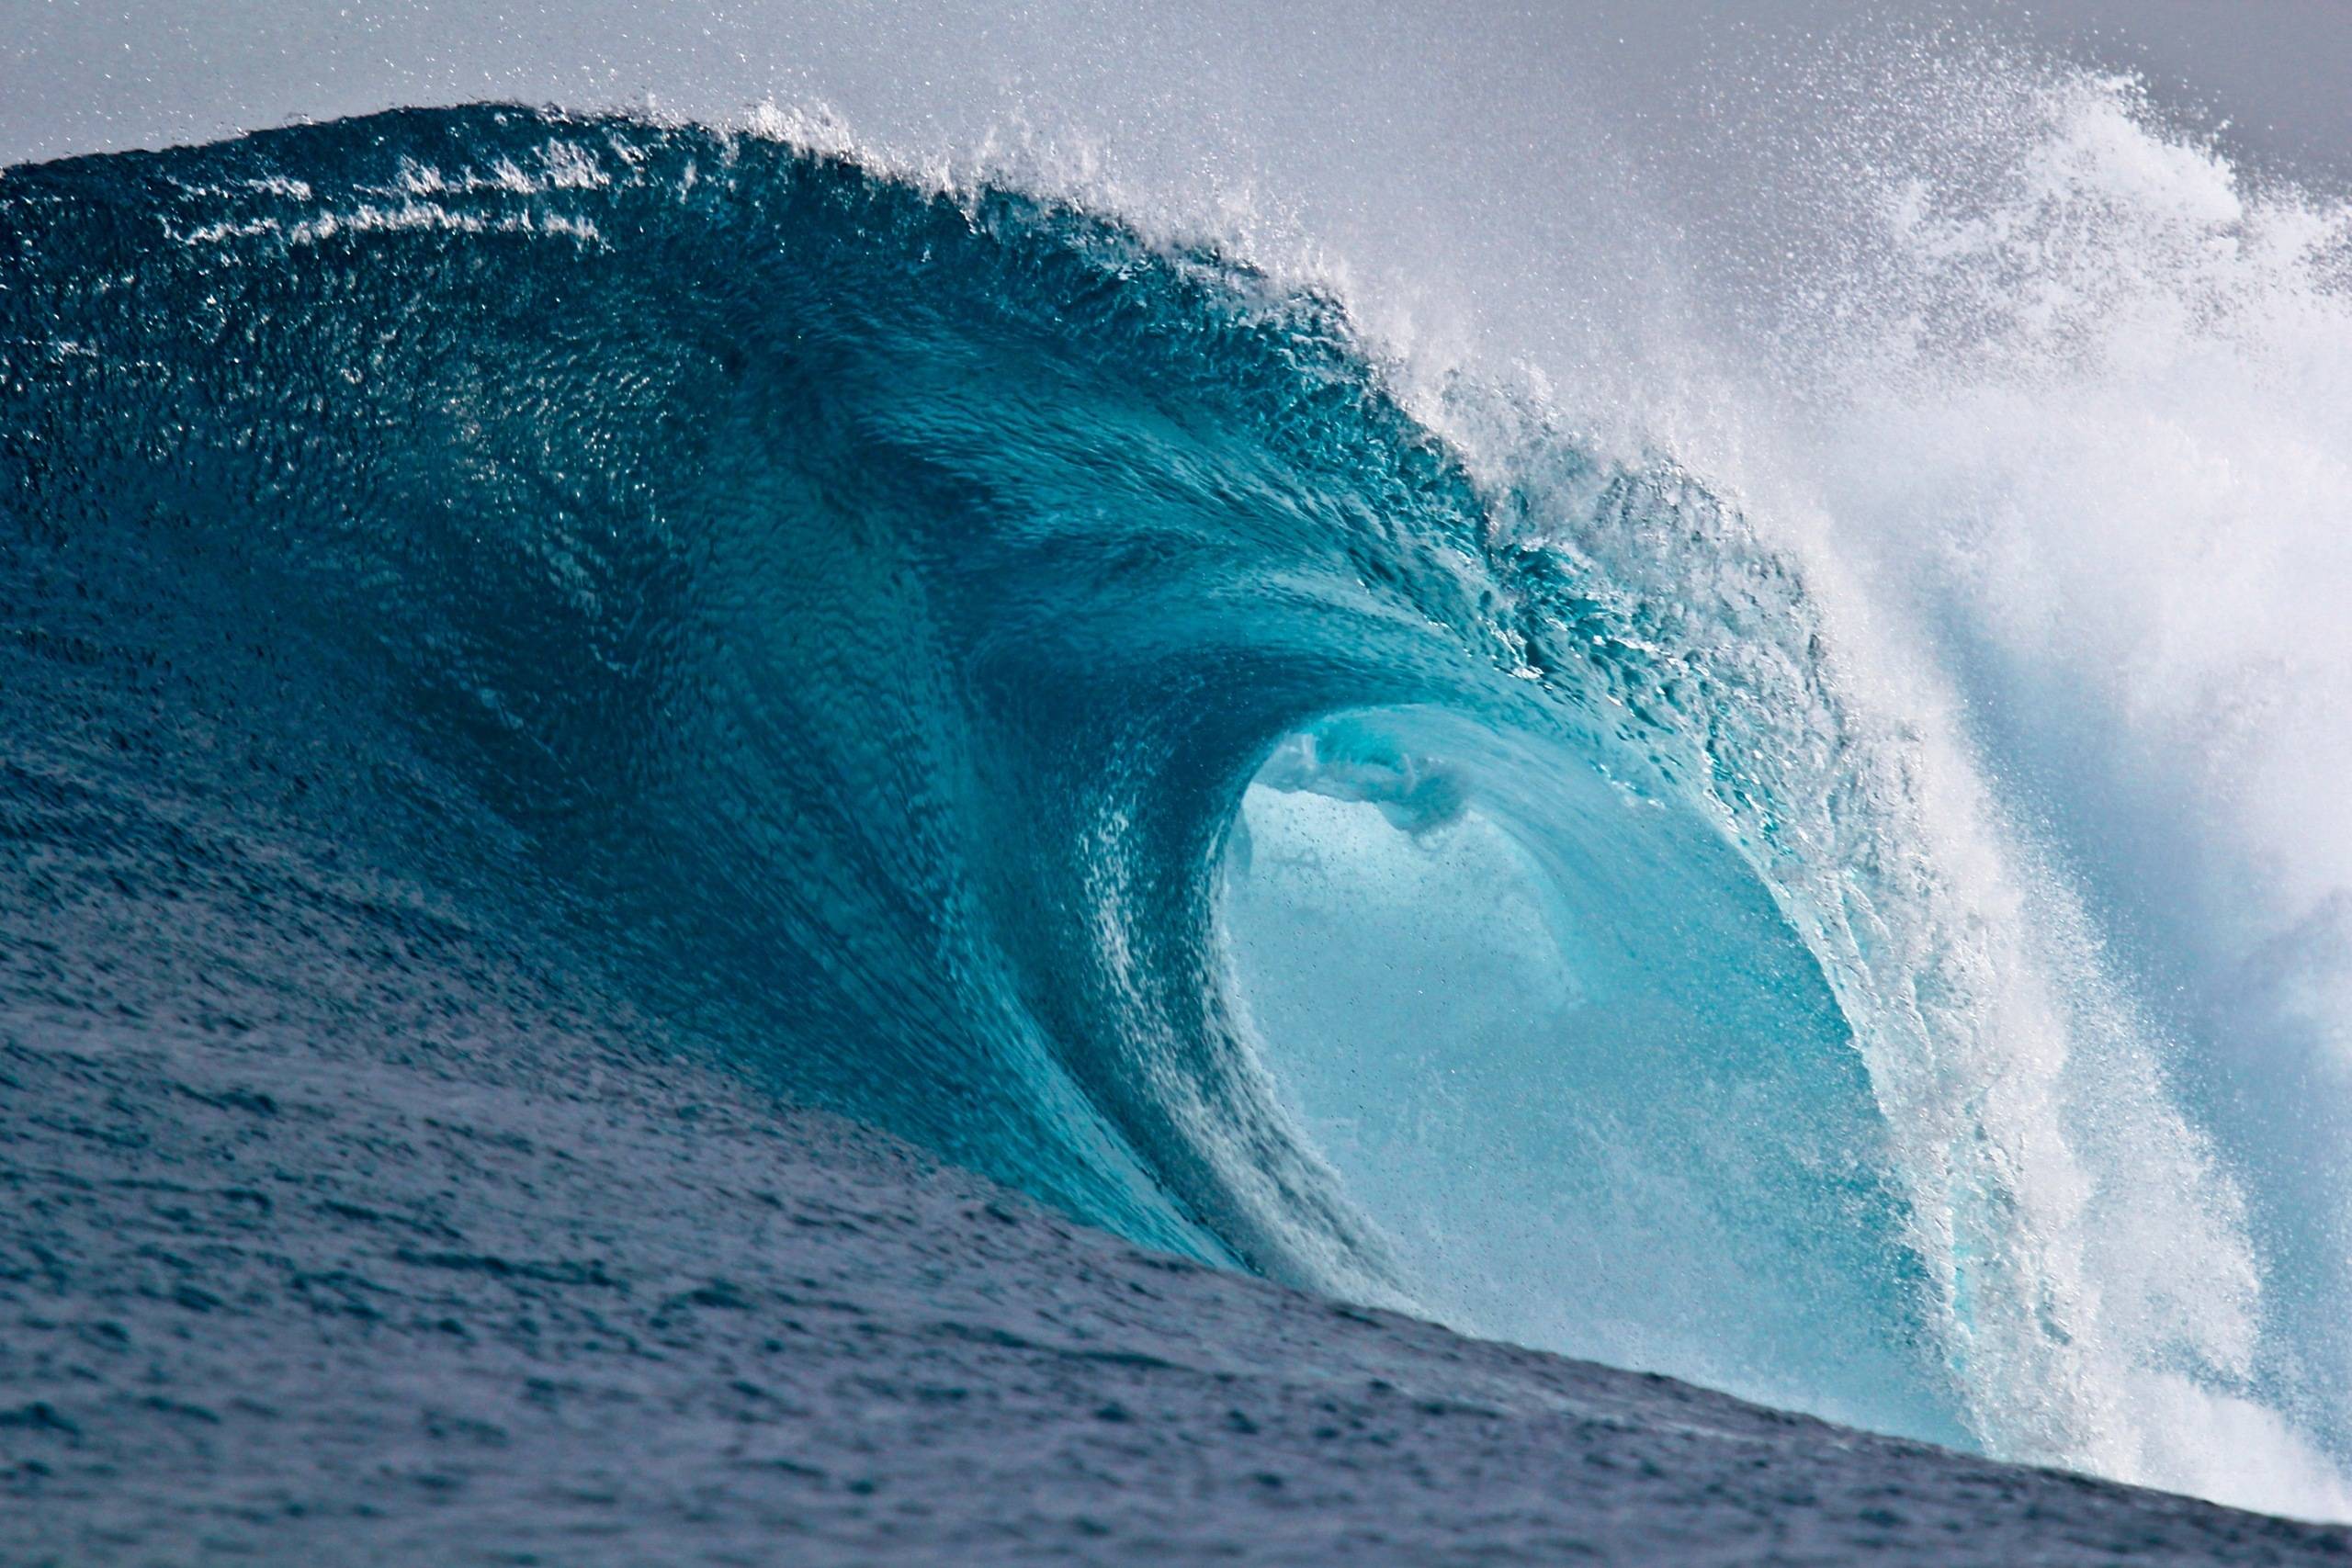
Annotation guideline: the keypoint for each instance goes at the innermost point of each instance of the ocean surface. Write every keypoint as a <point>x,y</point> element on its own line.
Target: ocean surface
<point>572,686</point>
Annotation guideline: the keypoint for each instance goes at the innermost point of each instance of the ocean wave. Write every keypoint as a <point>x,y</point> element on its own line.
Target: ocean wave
<point>1072,699</point>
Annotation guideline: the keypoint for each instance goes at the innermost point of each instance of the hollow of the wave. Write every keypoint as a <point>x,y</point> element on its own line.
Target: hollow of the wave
<point>1568,1058</point>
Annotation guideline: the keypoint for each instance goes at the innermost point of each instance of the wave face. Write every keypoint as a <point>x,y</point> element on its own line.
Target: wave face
<point>1046,694</point>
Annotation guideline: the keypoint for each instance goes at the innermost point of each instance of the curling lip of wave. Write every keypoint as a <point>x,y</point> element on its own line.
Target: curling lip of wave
<point>840,619</point>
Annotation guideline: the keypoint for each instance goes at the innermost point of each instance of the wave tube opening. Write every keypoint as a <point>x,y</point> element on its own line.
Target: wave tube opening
<point>1560,1048</point>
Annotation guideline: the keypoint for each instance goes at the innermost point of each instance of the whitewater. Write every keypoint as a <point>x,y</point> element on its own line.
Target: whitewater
<point>1755,805</point>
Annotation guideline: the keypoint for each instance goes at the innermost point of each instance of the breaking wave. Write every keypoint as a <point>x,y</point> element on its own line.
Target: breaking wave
<point>1079,701</point>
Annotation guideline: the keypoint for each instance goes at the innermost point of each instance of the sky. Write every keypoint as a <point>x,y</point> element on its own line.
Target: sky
<point>89,75</point>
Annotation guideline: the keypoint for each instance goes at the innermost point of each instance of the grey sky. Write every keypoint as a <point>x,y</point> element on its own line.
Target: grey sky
<point>80,76</point>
